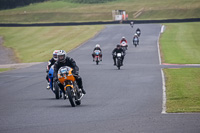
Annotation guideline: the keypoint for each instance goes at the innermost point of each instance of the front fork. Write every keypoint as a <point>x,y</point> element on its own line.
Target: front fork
<point>73,86</point>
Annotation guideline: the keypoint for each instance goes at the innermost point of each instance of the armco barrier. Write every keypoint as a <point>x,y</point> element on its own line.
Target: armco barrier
<point>102,23</point>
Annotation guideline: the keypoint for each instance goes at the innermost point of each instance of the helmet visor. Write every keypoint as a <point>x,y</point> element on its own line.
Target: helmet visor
<point>55,56</point>
<point>61,57</point>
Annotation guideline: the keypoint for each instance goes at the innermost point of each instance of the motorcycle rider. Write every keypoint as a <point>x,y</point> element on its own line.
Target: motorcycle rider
<point>50,63</point>
<point>135,38</point>
<point>131,23</point>
<point>97,47</point>
<point>138,30</point>
<point>123,40</point>
<point>118,49</point>
<point>64,60</point>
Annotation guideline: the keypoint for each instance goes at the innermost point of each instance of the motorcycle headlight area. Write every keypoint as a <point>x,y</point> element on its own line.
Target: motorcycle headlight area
<point>63,72</point>
<point>119,54</point>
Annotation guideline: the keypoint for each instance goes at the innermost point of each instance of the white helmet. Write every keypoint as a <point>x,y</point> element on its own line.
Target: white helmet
<point>123,37</point>
<point>62,55</point>
<point>135,34</point>
<point>55,56</point>
<point>97,46</point>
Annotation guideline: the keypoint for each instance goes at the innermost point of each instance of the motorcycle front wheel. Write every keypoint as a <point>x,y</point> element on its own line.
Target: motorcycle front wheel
<point>118,63</point>
<point>70,96</point>
<point>97,62</point>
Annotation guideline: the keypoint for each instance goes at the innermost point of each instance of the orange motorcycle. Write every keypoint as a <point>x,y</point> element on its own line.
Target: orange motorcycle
<point>71,90</point>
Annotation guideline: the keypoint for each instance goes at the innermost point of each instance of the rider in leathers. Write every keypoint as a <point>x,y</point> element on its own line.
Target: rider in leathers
<point>97,47</point>
<point>118,49</point>
<point>50,63</point>
<point>63,60</point>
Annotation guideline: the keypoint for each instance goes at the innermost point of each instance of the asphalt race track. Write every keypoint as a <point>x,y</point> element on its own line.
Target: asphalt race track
<point>117,101</point>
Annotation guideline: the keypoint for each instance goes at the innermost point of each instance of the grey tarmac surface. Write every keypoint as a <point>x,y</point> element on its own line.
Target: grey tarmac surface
<point>117,101</point>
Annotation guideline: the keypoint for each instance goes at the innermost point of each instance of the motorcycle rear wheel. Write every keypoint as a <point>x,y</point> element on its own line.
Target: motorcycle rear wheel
<point>70,96</point>
<point>57,91</point>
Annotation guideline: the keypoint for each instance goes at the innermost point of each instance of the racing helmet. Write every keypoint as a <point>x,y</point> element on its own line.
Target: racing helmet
<point>97,46</point>
<point>62,55</point>
<point>55,56</point>
<point>118,45</point>
<point>123,37</point>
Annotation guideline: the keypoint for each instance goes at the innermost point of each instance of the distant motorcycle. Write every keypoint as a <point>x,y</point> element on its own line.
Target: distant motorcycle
<point>97,56</point>
<point>135,41</point>
<point>119,60</point>
<point>54,89</point>
<point>138,33</point>
<point>131,24</point>
<point>71,90</point>
<point>124,45</point>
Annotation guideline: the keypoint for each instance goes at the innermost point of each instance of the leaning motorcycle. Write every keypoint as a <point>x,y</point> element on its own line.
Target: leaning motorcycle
<point>71,90</point>
<point>124,45</point>
<point>97,56</point>
<point>53,87</point>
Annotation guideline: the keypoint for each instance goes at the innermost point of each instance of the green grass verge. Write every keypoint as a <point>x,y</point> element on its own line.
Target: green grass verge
<point>36,44</point>
<point>5,69</point>
<point>180,43</point>
<point>63,11</point>
<point>183,90</point>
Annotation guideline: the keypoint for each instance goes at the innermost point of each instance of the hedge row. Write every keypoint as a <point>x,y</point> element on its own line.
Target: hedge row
<point>8,4</point>
<point>90,1</point>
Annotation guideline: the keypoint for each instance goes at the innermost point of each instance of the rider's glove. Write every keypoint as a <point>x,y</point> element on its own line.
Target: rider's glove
<point>75,72</point>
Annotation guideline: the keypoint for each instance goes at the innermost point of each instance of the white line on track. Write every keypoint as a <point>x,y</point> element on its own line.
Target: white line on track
<point>164,93</point>
<point>162,74</point>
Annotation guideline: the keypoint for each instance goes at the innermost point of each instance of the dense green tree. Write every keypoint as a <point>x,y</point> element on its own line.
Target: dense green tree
<point>89,1</point>
<point>8,4</point>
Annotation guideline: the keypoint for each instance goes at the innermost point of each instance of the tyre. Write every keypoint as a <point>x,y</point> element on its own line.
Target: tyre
<point>70,96</point>
<point>118,63</point>
<point>97,62</point>
<point>56,91</point>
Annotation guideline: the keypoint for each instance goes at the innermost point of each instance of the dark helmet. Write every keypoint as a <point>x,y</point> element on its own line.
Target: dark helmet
<point>118,46</point>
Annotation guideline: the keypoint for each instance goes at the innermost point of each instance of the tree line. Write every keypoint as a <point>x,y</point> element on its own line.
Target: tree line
<point>8,4</point>
<point>90,1</point>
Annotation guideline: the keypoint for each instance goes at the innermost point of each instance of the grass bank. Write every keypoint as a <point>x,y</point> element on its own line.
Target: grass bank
<point>5,69</point>
<point>180,45</point>
<point>183,90</point>
<point>64,11</point>
<point>36,44</point>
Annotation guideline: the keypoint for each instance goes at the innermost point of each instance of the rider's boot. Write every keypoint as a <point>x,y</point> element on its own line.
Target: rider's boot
<point>48,86</point>
<point>83,91</point>
<point>114,63</point>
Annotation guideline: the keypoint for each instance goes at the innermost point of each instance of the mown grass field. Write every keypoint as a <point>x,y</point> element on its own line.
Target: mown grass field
<point>183,90</point>
<point>36,44</point>
<point>63,11</point>
<point>180,45</point>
